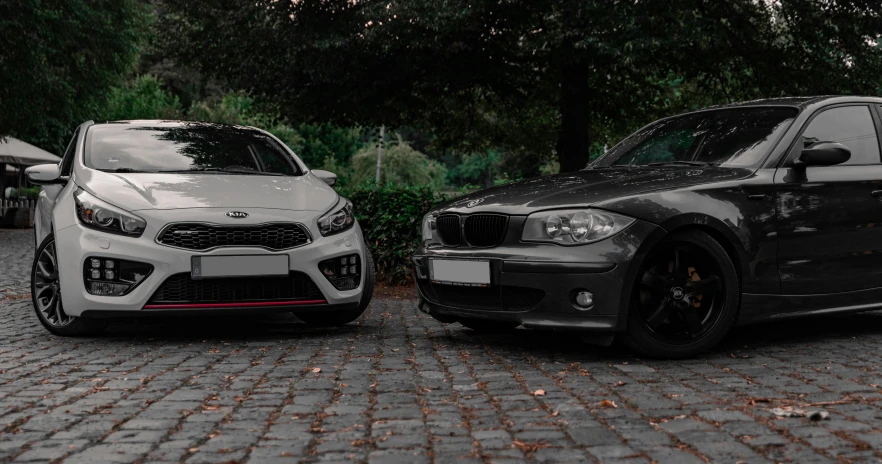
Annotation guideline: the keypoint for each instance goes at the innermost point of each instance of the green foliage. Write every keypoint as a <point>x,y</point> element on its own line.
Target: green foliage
<point>401,165</point>
<point>31,193</point>
<point>542,77</point>
<point>390,216</point>
<point>320,141</point>
<point>59,59</point>
<point>142,98</point>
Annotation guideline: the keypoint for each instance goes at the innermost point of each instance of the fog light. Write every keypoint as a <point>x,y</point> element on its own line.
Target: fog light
<point>113,277</point>
<point>344,272</point>
<point>584,299</point>
<point>107,288</point>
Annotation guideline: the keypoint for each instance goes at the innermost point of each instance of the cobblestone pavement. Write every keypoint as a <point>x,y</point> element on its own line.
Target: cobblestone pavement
<point>400,387</point>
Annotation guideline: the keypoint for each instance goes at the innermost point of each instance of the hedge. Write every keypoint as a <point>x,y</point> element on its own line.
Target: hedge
<point>390,216</point>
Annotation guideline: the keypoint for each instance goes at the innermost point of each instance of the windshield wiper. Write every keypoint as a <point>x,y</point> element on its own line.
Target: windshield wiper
<point>683,163</point>
<point>225,171</point>
<point>129,170</point>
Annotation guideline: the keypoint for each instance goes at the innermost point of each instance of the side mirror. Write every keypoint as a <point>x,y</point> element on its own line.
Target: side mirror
<point>823,154</point>
<point>45,174</point>
<point>329,177</point>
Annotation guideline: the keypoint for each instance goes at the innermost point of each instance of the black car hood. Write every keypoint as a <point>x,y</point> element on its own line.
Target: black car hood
<point>586,188</point>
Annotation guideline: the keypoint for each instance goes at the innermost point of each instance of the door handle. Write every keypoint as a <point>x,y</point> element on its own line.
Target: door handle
<point>876,193</point>
<point>758,196</point>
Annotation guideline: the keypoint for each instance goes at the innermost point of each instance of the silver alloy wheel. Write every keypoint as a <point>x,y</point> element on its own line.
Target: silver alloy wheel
<point>46,290</point>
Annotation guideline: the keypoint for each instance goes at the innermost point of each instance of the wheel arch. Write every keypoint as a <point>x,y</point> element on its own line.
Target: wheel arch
<point>713,227</point>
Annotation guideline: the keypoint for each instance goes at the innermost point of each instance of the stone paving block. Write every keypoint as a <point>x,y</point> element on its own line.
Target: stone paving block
<point>397,386</point>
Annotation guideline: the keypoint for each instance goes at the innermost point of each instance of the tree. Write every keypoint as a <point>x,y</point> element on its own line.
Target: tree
<point>562,75</point>
<point>58,59</point>
<point>142,98</point>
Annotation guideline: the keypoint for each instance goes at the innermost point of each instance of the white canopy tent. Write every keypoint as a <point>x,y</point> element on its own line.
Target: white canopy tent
<point>14,151</point>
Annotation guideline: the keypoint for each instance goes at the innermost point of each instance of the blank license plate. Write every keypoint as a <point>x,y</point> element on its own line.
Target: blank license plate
<point>460,271</point>
<point>205,267</point>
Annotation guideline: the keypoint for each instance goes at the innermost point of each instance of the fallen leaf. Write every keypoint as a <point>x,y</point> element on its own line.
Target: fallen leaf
<point>608,404</point>
<point>529,448</point>
<point>539,393</point>
<point>316,370</point>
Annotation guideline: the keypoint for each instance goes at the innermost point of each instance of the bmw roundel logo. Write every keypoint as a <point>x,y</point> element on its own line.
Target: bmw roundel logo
<point>474,203</point>
<point>237,214</point>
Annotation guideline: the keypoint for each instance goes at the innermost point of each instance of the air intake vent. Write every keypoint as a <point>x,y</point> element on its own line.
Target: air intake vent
<point>485,230</point>
<point>448,229</point>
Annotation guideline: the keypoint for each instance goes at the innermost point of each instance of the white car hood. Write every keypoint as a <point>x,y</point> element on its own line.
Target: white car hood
<point>135,192</point>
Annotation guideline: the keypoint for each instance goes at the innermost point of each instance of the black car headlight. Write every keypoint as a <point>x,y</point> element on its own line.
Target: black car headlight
<point>573,226</point>
<point>338,219</point>
<point>97,214</point>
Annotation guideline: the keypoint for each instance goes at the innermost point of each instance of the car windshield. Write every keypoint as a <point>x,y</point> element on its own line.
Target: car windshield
<point>185,147</point>
<point>734,137</point>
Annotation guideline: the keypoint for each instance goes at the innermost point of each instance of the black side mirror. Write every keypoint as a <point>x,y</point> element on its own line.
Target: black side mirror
<point>823,154</point>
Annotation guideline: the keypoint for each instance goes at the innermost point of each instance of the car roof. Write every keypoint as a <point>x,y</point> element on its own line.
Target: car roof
<point>799,102</point>
<point>174,123</point>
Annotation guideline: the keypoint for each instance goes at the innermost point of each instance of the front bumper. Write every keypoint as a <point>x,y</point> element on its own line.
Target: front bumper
<point>75,243</point>
<point>535,284</point>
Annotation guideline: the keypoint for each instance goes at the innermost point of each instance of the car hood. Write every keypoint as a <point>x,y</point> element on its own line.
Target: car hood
<point>135,192</point>
<point>586,188</point>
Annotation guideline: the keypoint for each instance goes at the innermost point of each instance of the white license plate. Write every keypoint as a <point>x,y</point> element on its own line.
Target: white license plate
<point>206,267</point>
<point>460,271</point>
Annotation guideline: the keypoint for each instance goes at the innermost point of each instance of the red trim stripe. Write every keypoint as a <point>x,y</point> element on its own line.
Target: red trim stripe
<point>235,305</point>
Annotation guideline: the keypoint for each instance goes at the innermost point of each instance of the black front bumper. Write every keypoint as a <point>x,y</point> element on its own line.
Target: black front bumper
<point>536,284</point>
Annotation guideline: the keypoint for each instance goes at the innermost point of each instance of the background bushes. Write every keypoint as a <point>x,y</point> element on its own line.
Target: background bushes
<point>390,216</point>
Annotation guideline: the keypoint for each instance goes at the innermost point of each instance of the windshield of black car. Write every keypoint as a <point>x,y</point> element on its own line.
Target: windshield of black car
<point>732,137</point>
<point>186,147</point>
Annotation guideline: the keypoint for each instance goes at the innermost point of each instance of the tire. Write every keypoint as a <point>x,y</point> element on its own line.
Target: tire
<point>46,296</point>
<point>685,322</point>
<point>339,318</point>
<point>489,326</point>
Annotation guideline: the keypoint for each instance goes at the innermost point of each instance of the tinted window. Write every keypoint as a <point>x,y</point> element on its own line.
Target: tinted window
<point>68,156</point>
<point>185,147</point>
<point>851,126</point>
<point>740,137</point>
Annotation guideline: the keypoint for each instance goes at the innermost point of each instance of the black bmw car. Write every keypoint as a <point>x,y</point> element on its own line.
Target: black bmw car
<point>726,216</point>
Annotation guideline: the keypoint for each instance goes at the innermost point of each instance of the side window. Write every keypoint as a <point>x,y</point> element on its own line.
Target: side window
<point>851,126</point>
<point>68,157</point>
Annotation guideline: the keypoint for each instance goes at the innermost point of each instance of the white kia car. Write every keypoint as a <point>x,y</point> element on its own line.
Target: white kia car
<point>166,217</point>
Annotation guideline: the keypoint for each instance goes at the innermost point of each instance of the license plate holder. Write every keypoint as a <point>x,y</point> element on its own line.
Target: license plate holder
<point>212,267</point>
<point>463,272</point>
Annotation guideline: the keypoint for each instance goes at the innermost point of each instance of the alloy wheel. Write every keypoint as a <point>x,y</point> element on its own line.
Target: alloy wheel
<point>46,289</point>
<point>681,293</point>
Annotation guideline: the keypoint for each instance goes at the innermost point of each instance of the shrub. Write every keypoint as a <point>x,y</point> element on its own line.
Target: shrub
<point>31,193</point>
<point>322,141</point>
<point>390,216</point>
<point>142,98</point>
<point>401,165</point>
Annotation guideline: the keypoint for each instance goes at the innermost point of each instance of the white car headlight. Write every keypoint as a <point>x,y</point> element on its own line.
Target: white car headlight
<point>99,215</point>
<point>428,227</point>
<point>338,219</point>
<point>573,226</point>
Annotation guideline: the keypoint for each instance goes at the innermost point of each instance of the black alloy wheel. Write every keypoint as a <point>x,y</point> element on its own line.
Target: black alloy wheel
<point>685,298</point>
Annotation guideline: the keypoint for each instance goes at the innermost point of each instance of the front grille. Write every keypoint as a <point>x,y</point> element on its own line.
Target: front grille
<point>195,236</point>
<point>485,230</point>
<point>448,229</point>
<point>498,298</point>
<point>181,288</point>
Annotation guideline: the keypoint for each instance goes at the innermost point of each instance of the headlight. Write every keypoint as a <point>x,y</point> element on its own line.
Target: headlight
<point>339,219</point>
<point>96,214</point>
<point>428,226</point>
<point>573,227</point>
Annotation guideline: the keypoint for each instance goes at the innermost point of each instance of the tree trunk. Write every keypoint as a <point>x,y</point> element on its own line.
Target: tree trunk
<point>574,141</point>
